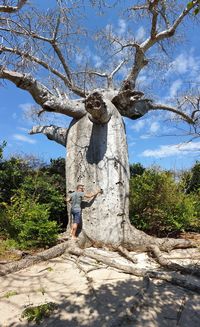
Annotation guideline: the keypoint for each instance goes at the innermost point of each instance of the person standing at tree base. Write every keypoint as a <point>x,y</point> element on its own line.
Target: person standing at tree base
<point>76,199</point>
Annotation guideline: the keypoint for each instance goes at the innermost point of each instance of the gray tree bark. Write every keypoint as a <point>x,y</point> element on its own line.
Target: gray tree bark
<point>97,156</point>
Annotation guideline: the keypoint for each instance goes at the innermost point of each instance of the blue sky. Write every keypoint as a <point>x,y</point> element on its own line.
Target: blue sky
<point>152,140</point>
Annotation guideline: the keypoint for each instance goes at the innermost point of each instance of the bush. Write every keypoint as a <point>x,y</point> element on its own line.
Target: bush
<point>12,174</point>
<point>157,204</point>
<point>136,169</point>
<point>46,189</point>
<point>28,222</point>
<point>193,183</point>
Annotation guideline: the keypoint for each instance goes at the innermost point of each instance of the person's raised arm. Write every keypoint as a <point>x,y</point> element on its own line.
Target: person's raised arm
<point>91,195</point>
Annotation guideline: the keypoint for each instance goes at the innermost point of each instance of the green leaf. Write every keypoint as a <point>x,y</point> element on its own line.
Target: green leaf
<point>196,11</point>
<point>190,5</point>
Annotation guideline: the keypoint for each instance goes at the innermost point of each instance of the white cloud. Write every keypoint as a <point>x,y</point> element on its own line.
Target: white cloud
<point>140,34</point>
<point>138,125</point>
<point>122,27</point>
<point>26,107</point>
<point>23,129</point>
<point>180,149</point>
<point>180,64</point>
<point>97,61</point>
<point>185,63</point>
<point>132,143</point>
<point>141,78</point>
<point>24,138</point>
<point>154,127</point>
<point>145,136</point>
<point>176,85</point>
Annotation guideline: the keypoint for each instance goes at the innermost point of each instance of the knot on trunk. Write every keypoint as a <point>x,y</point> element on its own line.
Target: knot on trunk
<point>97,108</point>
<point>131,104</point>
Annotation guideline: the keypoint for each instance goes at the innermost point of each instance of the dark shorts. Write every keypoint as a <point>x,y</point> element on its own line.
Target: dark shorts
<point>76,216</point>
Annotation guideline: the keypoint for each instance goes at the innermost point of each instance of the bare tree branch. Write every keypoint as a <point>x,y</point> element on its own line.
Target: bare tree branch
<point>46,65</point>
<point>42,96</point>
<point>159,106</point>
<point>13,9</point>
<point>37,60</point>
<point>98,109</point>
<point>139,7</point>
<point>109,77</point>
<point>154,10</point>
<point>170,31</point>
<point>21,30</point>
<point>53,133</point>
<point>140,61</point>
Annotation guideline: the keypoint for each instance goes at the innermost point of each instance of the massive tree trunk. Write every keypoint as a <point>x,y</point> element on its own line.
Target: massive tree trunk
<point>97,156</point>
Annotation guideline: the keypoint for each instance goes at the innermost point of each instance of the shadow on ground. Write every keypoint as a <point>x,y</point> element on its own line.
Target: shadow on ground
<point>103,297</point>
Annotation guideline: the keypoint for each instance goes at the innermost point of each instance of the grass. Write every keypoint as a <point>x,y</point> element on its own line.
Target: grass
<point>9,294</point>
<point>42,290</point>
<point>6,247</point>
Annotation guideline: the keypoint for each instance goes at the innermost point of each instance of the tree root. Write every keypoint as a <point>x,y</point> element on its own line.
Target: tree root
<point>31,260</point>
<point>72,247</point>
<point>171,277</point>
<point>125,253</point>
<point>194,270</point>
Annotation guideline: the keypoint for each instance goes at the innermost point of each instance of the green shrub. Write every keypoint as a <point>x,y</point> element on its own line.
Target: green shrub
<point>46,189</point>
<point>28,222</point>
<point>158,205</point>
<point>6,245</point>
<point>12,174</point>
<point>193,183</point>
<point>136,169</point>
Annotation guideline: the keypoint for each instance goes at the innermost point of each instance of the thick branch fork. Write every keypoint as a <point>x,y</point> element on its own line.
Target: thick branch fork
<point>131,104</point>
<point>98,109</point>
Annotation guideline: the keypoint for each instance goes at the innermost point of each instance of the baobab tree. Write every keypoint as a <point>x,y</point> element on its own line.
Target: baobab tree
<point>45,52</point>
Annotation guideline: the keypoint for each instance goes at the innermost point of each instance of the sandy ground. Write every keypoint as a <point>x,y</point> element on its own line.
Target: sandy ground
<point>102,297</point>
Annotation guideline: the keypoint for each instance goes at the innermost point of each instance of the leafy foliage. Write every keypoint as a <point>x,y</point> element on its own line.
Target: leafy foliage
<point>12,174</point>
<point>38,313</point>
<point>197,9</point>
<point>46,189</point>
<point>193,182</point>
<point>136,169</point>
<point>28,222</point>
<point>157,203</point>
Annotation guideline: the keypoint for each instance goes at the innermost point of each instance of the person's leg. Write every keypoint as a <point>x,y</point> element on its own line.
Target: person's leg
<point>74,230</point>
<point>75,223</point>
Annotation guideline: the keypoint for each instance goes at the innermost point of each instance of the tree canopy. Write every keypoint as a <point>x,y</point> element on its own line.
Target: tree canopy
<point>47,52</point>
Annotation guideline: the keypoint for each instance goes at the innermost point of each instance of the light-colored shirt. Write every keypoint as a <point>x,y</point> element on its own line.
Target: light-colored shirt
<point>76,199</point>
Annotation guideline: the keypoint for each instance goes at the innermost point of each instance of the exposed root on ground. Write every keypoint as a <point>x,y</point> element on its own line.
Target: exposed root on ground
<point>31,260</point>
<point>194,270</point>
<point>174,273</point>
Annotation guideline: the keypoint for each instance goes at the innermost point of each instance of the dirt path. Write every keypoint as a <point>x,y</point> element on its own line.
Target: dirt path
<point>102,297</point>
